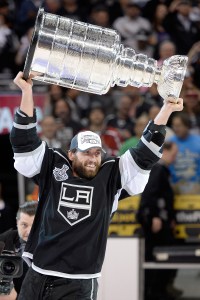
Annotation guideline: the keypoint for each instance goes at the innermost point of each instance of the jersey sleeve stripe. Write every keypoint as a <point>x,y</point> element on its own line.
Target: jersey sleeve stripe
<point>116,201</point>
<point>21,113</point>
<point>153,147</point>
<point>29,126</point>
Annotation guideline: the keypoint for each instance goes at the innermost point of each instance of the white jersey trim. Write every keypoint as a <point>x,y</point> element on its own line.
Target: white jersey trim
<point>29,126</point>
<point>133,178</point>
<point>112,160</point>
<point>27,254</point>
<point>92,291</point>
<point>64,275</point>
<point>153,147</point>
<point>129,157</point>
<point>62,156</point>
<point>21,113</point>
<point>115,202</point>
<point>27,257</point>
<point>29,163</point>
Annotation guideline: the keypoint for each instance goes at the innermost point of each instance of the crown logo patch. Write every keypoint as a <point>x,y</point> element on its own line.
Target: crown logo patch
<point>72,215</point>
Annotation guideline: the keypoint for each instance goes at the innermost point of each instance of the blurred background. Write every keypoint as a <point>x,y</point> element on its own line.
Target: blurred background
<point>167,214</point>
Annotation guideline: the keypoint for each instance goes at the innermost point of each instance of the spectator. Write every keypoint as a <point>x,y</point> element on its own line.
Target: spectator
<point>25,16</point>
<point>156,215</point>
<point>78,101</point>
<point>194,63</point>
<point>150,8</point>
<point>192,108</point>
<point>142,44</point>
<point>15,241</point>
<point>23,48</point>
<point>7,9</point>
<point>159,31</point>
<point>183,32</point>
<point>71,9</point>
<point>131,23</point>
<point>67,127</point>
<point>150,97</point>
<point>55,92</point>
<point>165,50</point>
<point>100,16</point>
<point>195,12</point>
<point>186,168</point>
<point>140,124</point>
<point>48,133</point>
<point>52,6</point>
<point>111,139</point>
<point>8,46</point>
<point>122,121</point>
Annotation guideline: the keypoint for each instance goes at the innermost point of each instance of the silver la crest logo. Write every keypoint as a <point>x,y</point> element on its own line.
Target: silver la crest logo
<point>61,174</point>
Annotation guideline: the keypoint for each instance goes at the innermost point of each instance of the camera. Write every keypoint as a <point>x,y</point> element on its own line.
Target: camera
<point>11,266</point>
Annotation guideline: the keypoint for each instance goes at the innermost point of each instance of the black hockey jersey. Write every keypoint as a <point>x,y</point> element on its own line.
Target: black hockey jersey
<point>69,233</point>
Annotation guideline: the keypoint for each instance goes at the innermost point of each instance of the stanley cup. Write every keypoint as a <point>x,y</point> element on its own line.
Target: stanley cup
<point>90,58</point>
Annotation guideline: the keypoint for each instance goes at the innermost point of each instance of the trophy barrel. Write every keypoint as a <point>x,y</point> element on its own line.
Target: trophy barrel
<point>72,54</point>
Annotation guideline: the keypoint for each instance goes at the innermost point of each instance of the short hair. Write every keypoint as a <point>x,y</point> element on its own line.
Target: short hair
<point>28,208</point>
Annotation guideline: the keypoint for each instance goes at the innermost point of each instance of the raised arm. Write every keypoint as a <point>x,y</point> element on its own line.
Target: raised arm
<point>136,163</point>
<point>27,147</point>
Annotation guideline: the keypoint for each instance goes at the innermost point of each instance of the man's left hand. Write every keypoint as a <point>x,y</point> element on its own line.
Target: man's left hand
<point>173,104</point>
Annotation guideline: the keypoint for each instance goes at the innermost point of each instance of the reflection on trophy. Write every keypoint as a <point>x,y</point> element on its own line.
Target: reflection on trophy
<point>90,58</point>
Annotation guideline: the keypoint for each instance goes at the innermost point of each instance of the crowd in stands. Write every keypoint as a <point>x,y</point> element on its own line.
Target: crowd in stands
<point>157,28</point>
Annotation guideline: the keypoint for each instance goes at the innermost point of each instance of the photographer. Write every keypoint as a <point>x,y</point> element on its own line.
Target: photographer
<point>15,241</point>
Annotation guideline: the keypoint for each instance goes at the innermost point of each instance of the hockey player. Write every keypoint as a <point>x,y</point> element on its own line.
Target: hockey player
<point>78,192</point>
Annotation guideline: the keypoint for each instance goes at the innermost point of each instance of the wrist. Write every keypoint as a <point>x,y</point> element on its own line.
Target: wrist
<point>27,90</point>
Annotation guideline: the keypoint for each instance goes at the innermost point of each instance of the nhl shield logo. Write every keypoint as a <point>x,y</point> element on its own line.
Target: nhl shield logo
<point>75,202</point>
<point>61,174</point>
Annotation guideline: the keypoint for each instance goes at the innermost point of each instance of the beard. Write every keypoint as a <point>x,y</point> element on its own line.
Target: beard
<point>81,169</point>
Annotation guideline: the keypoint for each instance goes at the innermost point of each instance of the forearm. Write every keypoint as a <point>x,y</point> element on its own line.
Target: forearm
<point>27,104</point>
<point>163,116</point>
